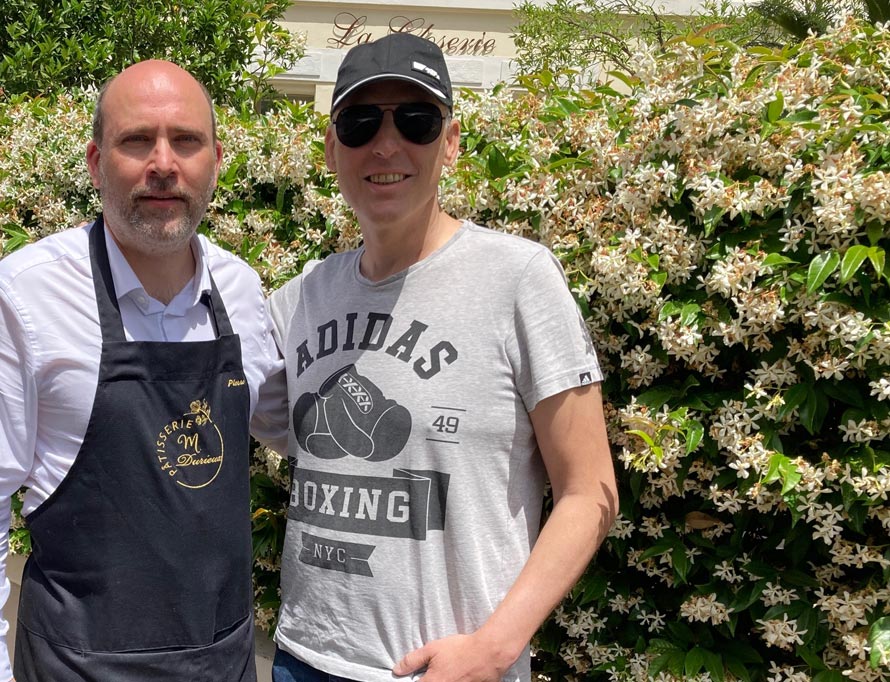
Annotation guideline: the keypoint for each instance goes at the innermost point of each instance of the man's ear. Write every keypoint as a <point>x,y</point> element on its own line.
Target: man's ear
<point>330,139</point>
<point>93,163</point>
<point>218,150</point>
<point>452,141</point>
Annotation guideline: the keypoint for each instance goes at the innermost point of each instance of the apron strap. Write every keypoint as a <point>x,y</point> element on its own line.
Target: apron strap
<point>106,298</point>
<point>218,314</point>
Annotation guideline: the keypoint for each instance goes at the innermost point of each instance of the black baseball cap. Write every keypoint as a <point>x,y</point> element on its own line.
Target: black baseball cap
<point>399,56</point>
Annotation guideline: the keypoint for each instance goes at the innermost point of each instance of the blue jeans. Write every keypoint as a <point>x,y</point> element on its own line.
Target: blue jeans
<point>286,668</point>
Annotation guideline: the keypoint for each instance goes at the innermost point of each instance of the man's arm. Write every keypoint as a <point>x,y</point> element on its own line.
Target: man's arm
<point>18,422</point>
<point>571,434</point>
<point>270,419</point>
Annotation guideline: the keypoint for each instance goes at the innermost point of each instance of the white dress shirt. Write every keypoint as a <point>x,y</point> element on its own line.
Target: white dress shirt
<point>50,346</point>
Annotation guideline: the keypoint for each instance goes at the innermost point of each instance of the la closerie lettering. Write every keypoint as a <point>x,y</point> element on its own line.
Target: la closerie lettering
<point>349,30</point>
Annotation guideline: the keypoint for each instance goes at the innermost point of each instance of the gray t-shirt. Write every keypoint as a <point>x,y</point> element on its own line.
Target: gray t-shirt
<point>417,484</point>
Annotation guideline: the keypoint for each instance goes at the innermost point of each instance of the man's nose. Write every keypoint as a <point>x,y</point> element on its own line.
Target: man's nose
<point>163,159</point>
<point>387,140</point>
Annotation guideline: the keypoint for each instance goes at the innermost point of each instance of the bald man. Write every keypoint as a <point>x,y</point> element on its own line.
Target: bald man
<point>135,358</point>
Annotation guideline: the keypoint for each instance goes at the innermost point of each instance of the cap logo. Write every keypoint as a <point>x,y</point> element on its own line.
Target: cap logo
<point>423,68</point>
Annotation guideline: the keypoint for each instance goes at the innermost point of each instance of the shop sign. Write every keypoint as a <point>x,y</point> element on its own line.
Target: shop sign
<point>349,30</point>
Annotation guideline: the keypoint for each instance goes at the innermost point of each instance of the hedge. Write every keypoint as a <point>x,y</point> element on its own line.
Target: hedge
<point>723,224</point>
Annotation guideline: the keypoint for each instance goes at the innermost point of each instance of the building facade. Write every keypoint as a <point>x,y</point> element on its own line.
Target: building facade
<point>473,34</point>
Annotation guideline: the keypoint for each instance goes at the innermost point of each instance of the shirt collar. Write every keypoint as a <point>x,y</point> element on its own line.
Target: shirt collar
<point>127,284</point>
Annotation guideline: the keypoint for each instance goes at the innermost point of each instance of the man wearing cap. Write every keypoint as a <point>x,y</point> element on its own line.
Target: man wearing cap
<point>437,376</point>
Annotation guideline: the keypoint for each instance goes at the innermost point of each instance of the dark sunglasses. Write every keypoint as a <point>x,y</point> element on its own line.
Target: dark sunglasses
<point>418,122</point>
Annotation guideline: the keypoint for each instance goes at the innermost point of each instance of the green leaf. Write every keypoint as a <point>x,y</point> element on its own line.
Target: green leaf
<point>794,397</point>
<point>742,651</point>
<point>774,109</point>
<point>782,468</point>
<point>660,547</point>
<point>642,434</point>
<point>802,116</point>
<point>669,309</point>
<point>853,258</point>
<point>15,238</point>
<point>790,477</point>
<point>694,433</point>
<point>254,252</point>
<point>844,392</point>
<point>689,313</point>
<point>739,669</point>
<point>810,658</point>
<point>820,269</point>
<point>568,162</point>
<point>672,661</point>
<point>628,80</point>
<point>498,166</point>
<point>799,578</point>
<point>878,259</point>
<point>808,621</point>
<point>775,259</point>
<point>879,641</point>
<point>878,13</point>
<point>745,596</point>
<point>772,469</point>
<point>813,411</point>
<point>681,633</point>
<point>657,396</point>
<point>829,676</point>
<point>875,232</point>
<point>593,586</point>
<point>680,562</point>
<point>712,218</point>
<point>714,665</point>
<point>694,662</point>
<point>566,106</point>
<point>660,646</point>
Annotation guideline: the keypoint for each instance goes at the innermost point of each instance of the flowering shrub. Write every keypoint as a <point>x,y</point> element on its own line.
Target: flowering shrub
<point>724,227</point>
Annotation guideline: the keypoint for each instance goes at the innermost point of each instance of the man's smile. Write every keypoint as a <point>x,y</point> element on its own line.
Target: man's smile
<point>386,178</point>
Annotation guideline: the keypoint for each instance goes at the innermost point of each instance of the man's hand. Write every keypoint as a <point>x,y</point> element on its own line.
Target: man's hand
<point>459,658</point>
<point>571,433</point>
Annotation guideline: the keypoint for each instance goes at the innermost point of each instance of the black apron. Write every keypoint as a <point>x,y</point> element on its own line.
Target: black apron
<point>141,559</point>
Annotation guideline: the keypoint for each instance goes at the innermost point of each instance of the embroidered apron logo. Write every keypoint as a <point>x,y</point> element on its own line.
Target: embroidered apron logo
<point>190,449</point>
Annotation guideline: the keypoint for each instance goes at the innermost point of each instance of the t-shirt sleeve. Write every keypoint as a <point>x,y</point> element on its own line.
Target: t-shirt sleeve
<point>282,303</point>
<point>550,348</point>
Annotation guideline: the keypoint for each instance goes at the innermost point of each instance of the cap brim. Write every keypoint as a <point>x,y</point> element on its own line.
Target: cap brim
<point>435,92</point>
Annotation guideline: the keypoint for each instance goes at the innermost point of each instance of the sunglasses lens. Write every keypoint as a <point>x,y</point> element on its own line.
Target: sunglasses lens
<point>357,125</point>
<point>420,123</point>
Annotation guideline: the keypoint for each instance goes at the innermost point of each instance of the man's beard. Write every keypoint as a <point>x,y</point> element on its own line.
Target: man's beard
<point>157,230</point>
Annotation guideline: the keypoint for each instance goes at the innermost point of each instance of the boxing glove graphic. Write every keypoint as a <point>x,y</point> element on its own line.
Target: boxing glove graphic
<point>350,416</point>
